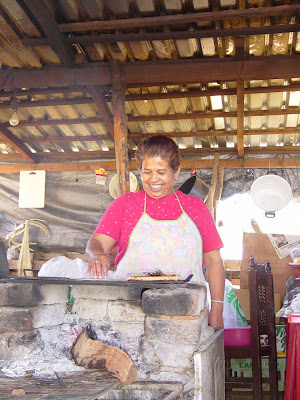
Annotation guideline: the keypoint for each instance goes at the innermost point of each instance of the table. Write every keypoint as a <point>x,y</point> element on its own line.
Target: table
<point>292,376</point>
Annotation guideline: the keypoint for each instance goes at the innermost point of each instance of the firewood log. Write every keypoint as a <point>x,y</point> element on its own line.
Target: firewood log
<point>94,354</point>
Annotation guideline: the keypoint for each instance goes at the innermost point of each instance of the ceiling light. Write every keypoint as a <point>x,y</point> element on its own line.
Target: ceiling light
<point>14,119</point>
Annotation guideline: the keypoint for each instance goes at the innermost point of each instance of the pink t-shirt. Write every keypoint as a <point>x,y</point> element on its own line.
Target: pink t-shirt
<point>123,214</point>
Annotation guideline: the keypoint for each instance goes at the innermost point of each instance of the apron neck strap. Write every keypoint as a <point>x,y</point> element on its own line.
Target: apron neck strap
<point>176,198</point>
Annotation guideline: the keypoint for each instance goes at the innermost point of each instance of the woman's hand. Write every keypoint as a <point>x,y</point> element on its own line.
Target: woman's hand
<point>216,279</point>
<point>99,265</point>
<point>215,317</point>
<point>99,247</point>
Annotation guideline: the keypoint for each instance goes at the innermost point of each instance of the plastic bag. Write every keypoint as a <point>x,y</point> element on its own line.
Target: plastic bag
<point>233,314</point>
<point>295,304</point>
<point>63,267</point>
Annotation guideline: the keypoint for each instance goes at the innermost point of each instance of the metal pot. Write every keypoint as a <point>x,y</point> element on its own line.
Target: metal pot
<point>195,187</point>
<point>271,193</point>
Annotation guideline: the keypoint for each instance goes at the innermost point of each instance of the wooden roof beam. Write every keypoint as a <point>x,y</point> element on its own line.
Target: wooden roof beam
<point>120,127</point>
<point>207,16</point>
<point>19,146</point>
<point>185,164</point>
<point>240,95</point>
<point>102,107</point>
<point>170,35</point>
<point>134,96</point>
<point>41,91</point>
<point>139,136</point>
<point>49,103</point>
<point>149,96</point>
<point>163,117</point>
<point>65,139</point>
<point>101,155</point>
<point>157,72</point>
<point>46,20</point>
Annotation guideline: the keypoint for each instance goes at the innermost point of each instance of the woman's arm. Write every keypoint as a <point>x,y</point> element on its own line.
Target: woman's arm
<point>216,280</point>
<point>99,247</point>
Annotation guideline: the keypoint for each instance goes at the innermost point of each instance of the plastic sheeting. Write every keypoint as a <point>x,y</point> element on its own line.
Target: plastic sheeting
<point>74,204</point>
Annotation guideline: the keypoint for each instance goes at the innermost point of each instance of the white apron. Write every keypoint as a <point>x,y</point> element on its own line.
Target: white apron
<point>163,247</point>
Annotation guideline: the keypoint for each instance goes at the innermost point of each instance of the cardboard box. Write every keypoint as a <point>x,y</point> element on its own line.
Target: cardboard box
<point>244,299</point>
<point>243,367</point>
<point>280,340</point>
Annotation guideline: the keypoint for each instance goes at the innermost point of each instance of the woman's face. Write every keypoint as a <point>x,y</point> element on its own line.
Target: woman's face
<point>158,177</point>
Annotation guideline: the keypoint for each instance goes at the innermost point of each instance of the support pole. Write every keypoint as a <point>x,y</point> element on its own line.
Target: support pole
<point>120,126</point>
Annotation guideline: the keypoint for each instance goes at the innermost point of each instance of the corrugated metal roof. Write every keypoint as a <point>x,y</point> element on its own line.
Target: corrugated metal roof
<point>201,115</point>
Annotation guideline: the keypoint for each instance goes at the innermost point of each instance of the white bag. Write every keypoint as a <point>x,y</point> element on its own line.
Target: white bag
<point>63,267</point>
<point>233,314</point>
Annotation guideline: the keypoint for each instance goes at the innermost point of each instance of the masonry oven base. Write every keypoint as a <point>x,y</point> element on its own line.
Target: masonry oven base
<point>89,385</point>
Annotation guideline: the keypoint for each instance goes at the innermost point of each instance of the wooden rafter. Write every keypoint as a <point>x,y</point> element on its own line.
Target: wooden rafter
<point>52,156</point>
<point>49,103</point>
<point>120,127</point>
<point>188,18</point>
<point>19,146</point>
<point>240,117</point>
<point>102,107</point>
<point>131,96</point>
<point>185,164</point>
<point>170,35</point>
<point>157,117</point>
<point>139,136</point>
<point>157,72</point>
<point>39,8</point>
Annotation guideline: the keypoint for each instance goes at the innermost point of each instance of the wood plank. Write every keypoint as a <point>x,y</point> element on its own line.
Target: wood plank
<point>63,387</point>
<point>169,35</point>
<point>240,118</point>
<point>260,247</point>
<point>213,183</point>
<point>17,144</point>
<point>120,127</point>
<point>140,136</point>
<point>157,117</point>
<point>156,72</point>
<point>102,107</point>
<point>206,16</point>
<point>185,164</point>
<point>65,139</point>
<point>49,102</point>
<point>48,23</point>
<point>131,96</point>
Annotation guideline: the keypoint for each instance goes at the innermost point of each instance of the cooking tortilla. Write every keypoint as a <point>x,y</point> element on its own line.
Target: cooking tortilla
<point>155,278</point>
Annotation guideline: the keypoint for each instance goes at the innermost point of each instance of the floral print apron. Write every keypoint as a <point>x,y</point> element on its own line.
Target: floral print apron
<point>163,247</point>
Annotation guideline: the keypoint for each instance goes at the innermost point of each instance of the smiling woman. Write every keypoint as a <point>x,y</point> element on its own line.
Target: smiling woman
<point>159,231</point>
<point>157,177</point>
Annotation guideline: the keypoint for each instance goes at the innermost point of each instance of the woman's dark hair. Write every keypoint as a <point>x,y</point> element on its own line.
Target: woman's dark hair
<point>158,146</point>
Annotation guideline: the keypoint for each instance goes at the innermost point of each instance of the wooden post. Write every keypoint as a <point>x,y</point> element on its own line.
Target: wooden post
<point>240,117</point>
<point>213,184</point>
<point>218,191</point>
<point>120,126</point>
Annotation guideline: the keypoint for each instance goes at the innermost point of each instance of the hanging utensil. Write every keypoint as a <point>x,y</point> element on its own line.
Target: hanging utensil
<point>271,193</point>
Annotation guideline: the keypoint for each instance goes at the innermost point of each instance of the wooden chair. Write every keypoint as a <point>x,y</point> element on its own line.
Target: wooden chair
<point>262,320</point>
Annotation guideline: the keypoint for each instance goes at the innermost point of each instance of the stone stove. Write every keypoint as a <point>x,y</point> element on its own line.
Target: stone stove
<point>161,326</point>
